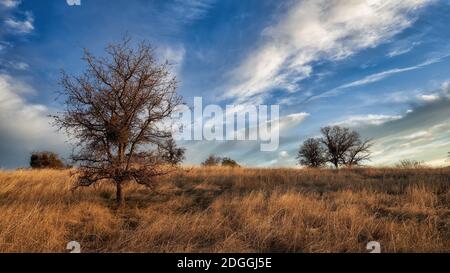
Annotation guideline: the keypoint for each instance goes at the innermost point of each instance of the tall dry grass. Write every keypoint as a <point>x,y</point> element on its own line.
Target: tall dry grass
<point>231,210</point>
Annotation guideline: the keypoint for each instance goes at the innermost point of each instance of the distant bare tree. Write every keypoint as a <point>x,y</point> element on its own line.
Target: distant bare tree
<point>312,153</point>
<point>344,146</point>
<point>171,153</point>
<point>359,152</point>
<point>116,110</point>
<point>410,164</point>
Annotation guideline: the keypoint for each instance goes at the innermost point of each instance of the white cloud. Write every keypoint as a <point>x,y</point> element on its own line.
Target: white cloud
<point>292,120</point>
<point>190,10</point>
<point>416,135</point>
<point>446,88</point>
<point>376,78</point>
<point>422,134</point>
<point>17,115</point>
<point>4,45</point>
<point>10,3</point>
<point>442,93</point>
<point>174,55</point>
<point>24,127</point>
<point>429,144</point>
<point>429,97</point>
<point>437,162</point>
<point>364,120</point>
<point>315,30</point>
<point>284,123</point>
<point>380,76</point>
<point>284,154</point>
<point>19,65</point>
<point>399,51</point>
<point>403,49</point>
<point>21,26</point>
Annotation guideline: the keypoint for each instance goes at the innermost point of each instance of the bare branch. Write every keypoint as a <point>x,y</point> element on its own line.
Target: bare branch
<point>114,110</point>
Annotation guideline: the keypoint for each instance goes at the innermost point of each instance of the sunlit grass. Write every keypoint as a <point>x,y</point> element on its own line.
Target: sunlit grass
<point>231,210</point>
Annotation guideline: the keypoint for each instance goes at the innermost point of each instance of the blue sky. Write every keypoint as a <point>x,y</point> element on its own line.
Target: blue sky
<point>378,66</point>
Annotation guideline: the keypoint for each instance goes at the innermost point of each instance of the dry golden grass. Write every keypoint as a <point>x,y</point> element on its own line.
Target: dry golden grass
<point>231,210</point>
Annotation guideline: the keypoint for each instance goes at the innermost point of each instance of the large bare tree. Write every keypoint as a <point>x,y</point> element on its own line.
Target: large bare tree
<point>116,110</point>
<point>312,153</point>
<point>345,146</point>
<point>358,153</point>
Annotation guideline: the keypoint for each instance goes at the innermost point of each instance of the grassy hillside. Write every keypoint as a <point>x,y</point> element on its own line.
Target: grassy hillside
<point>231,210</point>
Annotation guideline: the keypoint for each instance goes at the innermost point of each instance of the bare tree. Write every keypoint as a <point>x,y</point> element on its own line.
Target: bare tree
<point>116,110</point>
<point>358,153</point>
<point>410,164</point>
<point>312,153</point>
<point>171,153</point>
<point>344,146</point>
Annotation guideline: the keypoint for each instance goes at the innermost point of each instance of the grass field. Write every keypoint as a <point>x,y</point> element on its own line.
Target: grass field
<point>231,210</point>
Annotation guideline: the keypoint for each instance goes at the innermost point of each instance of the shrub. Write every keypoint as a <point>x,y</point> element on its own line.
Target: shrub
<point>212,161</point>
<point>45,160</point>
<point>228,162</point>
<point>410,164</point>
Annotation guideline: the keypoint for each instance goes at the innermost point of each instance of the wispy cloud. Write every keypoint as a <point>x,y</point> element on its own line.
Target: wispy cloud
<point>292,120</point>
<point>365,120</point>
<point>13,20</point>
<point>174,55</point>
<point>21,26</point>
<point>316,30</point>
<point>17,65</point>
<point>9,3</point>
<point>401,50</point>
<point>428,144</point>
<point>382,75</point>
<point>188,11</point>
<point>429,97</point>
<point>422,133</point>
<point>375,78</point>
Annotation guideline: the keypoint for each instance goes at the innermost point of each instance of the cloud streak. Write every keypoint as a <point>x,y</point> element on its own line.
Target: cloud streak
<point>375,78</point>
<point>318,30</point>
<point>366,120</point>
<point>187,11</point>
<point>421,134</point>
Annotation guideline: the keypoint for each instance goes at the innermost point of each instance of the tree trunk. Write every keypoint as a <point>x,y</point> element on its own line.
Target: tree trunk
<point>119,195</point>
